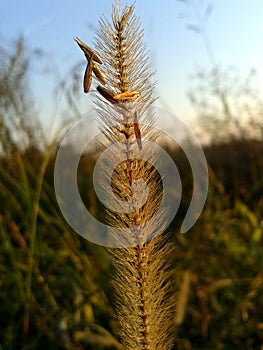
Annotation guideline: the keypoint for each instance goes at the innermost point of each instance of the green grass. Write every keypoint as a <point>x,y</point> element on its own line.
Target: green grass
<point>55,286</point>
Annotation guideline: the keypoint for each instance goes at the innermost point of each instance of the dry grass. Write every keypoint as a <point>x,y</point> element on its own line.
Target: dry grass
<point>142,279</point>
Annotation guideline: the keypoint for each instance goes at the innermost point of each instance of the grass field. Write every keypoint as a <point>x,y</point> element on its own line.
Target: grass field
<point>56,289</point>
<point>55,286</point>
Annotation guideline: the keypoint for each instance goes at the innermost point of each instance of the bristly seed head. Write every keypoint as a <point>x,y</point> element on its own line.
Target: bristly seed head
<point>142,278</point>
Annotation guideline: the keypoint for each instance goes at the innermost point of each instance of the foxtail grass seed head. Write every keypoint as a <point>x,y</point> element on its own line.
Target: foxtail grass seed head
<point>142,280</point>
<point>125,70</point>
<point>132,179</point>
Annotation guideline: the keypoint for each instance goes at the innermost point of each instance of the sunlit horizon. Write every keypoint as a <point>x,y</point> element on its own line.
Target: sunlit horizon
<point>233,30</point>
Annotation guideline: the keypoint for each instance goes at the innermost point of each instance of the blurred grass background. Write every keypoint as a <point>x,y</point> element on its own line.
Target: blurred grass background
<point>55,289</point>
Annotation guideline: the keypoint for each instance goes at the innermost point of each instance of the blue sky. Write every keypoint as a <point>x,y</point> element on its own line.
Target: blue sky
<point>235,29</point>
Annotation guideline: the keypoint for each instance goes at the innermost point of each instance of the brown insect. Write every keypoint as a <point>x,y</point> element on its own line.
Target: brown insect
<point>127,96</point>
<point>88,52</point>
<point>137,131</point>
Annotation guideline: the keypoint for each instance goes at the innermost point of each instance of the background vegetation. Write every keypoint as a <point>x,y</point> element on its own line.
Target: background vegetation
<point>55,289</point>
